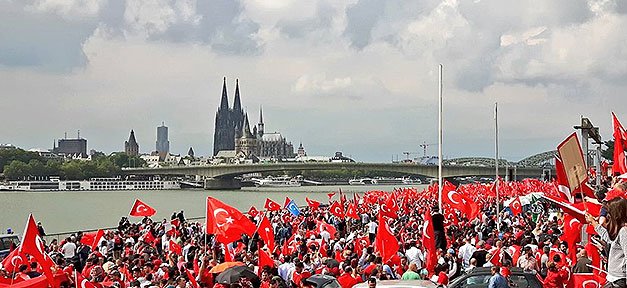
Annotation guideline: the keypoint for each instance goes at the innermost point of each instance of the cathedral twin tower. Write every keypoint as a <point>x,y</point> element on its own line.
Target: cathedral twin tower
<point>232,132</point>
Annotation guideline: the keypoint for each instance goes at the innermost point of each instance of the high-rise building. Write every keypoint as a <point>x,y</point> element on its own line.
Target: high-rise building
<point>71,147</point>
<point>163,144</point>
<point>131,147</point>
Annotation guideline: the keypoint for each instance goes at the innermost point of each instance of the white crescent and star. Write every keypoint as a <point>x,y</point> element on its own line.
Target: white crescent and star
<point>228,219</point>
<point>424,229</point>
<point>593,282</point>
<point>141,208</point>
<point>453,192</point>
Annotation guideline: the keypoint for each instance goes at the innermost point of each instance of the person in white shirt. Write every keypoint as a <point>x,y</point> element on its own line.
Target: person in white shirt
<point>465,252</point>
<point>372,230</point>
<point>325,235</point>
<point>413,254</point>
<point>69,248</point>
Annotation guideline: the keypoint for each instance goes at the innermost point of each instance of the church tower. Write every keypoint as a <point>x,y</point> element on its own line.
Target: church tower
<point>246,144</point>
<point>224,131</point>
<point>131,148</point>
<point>260,124</point>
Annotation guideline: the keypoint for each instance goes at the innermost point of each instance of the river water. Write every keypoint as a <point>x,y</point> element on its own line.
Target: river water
<point>72,211</point>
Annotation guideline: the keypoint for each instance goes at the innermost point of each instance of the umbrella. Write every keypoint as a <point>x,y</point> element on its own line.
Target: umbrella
<point>223,266</point>
<point>234,274</point>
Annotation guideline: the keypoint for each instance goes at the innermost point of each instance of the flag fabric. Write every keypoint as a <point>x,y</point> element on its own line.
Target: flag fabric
<point>142,209</point>
<point>313,204</point>
<point>585,280</point>
<point>389,207</point>
<point>12,262</point>
<point>264,260</point>
<point>293,208</point>
<point>272,206</point>
<point>82,282</point>
<point>92,239</point>
<point>516,206</point>
<point>577,210</point>
<point>253,211</point>
<point>331,195</point>
<point>351,212</point>
<point>287,202</point>
<point>620,143</point>
<point>562,181</point>
<point>175,248</point>
<point>428,240</point>
<point>227,222</point>
<point>572,234</point>
<point>33,245</point>
<point>337,210</point>
<point>148,237</point>
<point>321,226</point>
<point>266,232</point>
<point>385,242</point>
<point>192,279</point>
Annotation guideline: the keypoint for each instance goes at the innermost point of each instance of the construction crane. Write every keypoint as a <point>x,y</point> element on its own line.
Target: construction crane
<point>424,146</point>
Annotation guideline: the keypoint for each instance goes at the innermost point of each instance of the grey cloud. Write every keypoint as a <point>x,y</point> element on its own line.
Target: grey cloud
<point>301,28</point>
<point>361,19</point>
<point>44,41</point>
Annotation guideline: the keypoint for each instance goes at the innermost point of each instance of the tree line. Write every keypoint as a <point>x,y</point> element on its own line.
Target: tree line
<point>18,164</point>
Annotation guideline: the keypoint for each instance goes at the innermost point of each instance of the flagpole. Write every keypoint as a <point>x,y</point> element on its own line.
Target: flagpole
<point>496,163</point>
<point>440,139</point>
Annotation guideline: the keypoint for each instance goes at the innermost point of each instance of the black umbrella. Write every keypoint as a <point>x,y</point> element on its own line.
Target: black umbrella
<point>236,273</point>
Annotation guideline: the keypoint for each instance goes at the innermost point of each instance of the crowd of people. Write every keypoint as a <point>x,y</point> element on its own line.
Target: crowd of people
<point>178,253</point>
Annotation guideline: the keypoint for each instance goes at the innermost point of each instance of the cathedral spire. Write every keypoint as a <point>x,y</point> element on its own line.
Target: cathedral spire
<point>246,133</point>
<point>260,115</point>
<point>224,102</point>
<point>237,103</point>
<point>260,124</point>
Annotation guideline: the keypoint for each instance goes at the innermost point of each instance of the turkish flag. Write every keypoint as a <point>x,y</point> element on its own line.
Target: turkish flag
<point>516,206</point>
<point>253,211</point>
<point>331,195</point>
<point>428,239</point>
<point>337,209</point>
<point>142,209</point>
<point>572,234</point>
<point>514,252</point>
<point>562,181</point>
<point>313,204</point>
<point>192,279</point>
<point>586,280</point>
<point>175,248</point>
<point>351,211</point>
<point>227,222</point>
<point>12,262</point>
<point>389,207</point>
<point>451,196</point>
<point>385,242</point>
<point>264,260</point>
<point>34,246</point>
<point>82,282</point>
<point>496,257</point>
<point>148,238</point>
<point>266,232</point>
<point>272,206</point>
<point>287,202</point>
<point>620,143</point>
<point>330,228</point>
<point>92,239</point>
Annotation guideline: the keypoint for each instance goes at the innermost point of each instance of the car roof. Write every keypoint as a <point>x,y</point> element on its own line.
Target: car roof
<point>320,280</point>
<point>400,284</point>
<point>8,236</point>
<point>484,270</point>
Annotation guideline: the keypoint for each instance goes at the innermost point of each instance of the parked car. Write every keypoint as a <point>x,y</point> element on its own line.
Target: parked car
<point>6,240</point>
<point>401,284</point>
<point>323,281</point>
<point>480,276</point>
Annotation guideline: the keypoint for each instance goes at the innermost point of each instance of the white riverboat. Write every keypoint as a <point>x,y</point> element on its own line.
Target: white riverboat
<point>94,184</point>
<point>283,181</point>
<point>384,181</point>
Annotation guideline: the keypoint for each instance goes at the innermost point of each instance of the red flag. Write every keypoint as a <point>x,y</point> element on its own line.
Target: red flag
<point>287,202</point>
<point>337,209</point>
<point>264,260</point>
<point>148,237</point>
<point>331,195</point>
<point>428,239</point>
<point>516,206</point>
<point>34,246</point>
<point>266,233</point>
<point>386,244</point>
<point>320,225</point>
<point>572,235</point>
<point>227,222</point>
<point>253,211</point>
<point>272,206</point>
<point>620,143</point>
<point>82,282</point>
<point>576,210</point>
<point>351,212</point>
<point>514,251</point>
<point>313,204</point>
<point>175,248</point>
<point>141,209</point>
<point>496,257</point>
<point>389,207</point>
<point>92,239</point>
<point>192,279</point>
<point>587,280</point>
<point>562,181</point>
<point>227,254</point>
<point>12,262</point>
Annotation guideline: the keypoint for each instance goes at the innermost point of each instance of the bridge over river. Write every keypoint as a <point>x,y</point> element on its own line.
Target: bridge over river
<point>223,176</point>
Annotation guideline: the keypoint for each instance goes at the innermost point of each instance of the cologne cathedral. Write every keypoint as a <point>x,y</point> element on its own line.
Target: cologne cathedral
<point>232,132</point>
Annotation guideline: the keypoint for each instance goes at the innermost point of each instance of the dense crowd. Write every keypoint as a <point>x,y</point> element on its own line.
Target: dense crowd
<point>177,252</point>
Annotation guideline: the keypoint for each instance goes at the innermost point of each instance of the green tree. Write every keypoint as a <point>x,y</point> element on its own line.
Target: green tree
<point>71,171</point>
<point>37,168</point>
<point>16,170</point>
<point>9,155</point>
<point>609,152</point>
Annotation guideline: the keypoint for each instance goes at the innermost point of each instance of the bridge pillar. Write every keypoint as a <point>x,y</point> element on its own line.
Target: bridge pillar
<point>222,184</point>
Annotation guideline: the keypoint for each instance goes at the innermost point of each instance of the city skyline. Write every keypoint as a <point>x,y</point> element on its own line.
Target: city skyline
<point>338,76</point>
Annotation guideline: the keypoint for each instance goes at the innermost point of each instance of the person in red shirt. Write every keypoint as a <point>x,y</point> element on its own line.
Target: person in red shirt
<point>555,276</point>
<point>348,279</point>
<point>299,275</point>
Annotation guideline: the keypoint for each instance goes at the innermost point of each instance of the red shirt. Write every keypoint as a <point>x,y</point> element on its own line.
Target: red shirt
<point>555,279</point>
<point>347,280</point>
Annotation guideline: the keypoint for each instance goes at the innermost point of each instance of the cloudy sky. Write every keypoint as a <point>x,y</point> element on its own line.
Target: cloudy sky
<point>358,76</point>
